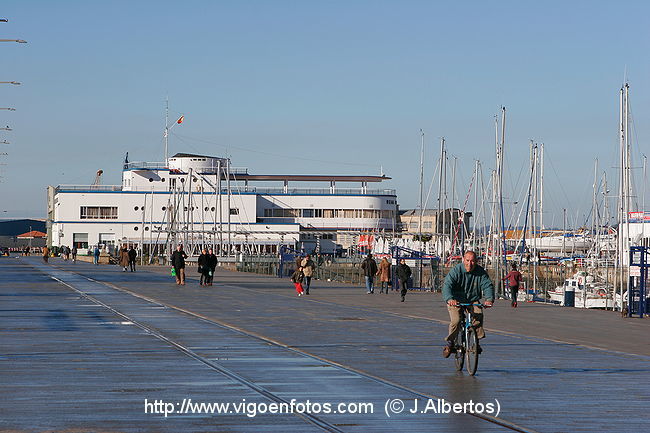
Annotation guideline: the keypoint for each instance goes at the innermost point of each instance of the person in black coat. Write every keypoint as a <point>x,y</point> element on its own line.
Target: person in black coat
<point>204,268</point>
<point>178,262</point>
<point>212,264</point>
<point>403,274</point>
<point>369,267</point>
<point>132,255</point>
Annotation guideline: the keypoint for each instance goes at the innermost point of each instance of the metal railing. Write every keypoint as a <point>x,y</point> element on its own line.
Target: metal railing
<point>145,166</point>
<point>235,190</point>
<point>90,187</point>
<point>323,191</point>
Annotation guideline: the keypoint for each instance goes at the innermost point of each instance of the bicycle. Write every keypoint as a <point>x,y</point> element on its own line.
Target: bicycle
<point>467,341</point>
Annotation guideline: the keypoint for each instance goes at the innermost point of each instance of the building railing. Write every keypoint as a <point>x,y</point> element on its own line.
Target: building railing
<point>163,166</point>
<point>237,189</point>
<point>320,191</point>
<point>145,166</point>
<point>90,187</point>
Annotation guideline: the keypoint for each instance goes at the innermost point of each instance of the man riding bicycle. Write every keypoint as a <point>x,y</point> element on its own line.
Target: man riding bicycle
<point>466,283</point>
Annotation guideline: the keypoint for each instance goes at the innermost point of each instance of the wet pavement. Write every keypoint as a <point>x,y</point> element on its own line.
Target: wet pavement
<point>83,346</point>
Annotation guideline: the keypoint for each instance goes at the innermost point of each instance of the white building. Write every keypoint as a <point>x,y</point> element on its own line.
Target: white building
<point>202,200</point>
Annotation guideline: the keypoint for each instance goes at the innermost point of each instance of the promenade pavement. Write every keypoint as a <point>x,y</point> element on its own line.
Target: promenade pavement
<point>83,347</point>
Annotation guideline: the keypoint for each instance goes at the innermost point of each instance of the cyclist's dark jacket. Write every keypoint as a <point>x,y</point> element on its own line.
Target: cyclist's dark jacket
<point>466,287</point>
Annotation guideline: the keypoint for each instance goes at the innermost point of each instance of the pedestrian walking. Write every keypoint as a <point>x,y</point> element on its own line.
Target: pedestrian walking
<point>204,267</point>
<point>384,274</point>
<point>369,268</point>
<point>124,258</point>
<point>46,254</point>
<point>403,274</point>
<point>178,262</point>
<point>212,264</point>
<point>74,254</point>
<point>297,278</point>
<point>514,278</point>
<point>133,254</point>
<point>96,255</point>
<point>308,266</point>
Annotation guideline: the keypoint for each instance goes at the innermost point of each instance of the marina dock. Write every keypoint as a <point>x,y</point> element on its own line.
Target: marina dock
<point>92,348</point>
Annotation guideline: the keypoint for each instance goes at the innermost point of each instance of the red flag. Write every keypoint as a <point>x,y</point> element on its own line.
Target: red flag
<point>180,119</point>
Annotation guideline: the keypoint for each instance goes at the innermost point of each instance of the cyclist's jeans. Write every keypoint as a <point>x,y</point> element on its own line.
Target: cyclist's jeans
<point>455,324</point>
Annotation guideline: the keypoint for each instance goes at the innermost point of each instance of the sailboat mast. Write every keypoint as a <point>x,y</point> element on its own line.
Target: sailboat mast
<point>645,159</point>
<point>594,205</point>
<point>439,215</point>
<point>541,187</point>
<point>421,181</point>
<point>503,223</point>
<point>628,184</point>
<point>166,129</point>
<point>474,233</point>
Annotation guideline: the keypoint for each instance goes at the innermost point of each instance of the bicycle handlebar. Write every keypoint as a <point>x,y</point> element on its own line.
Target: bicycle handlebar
<point>471,304</point>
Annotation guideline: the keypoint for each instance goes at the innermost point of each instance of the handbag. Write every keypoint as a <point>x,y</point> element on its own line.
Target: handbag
<point>173,272</point>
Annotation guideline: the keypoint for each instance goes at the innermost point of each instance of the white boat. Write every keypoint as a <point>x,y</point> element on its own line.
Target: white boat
<point>558,243</point>
<point>588,293</point>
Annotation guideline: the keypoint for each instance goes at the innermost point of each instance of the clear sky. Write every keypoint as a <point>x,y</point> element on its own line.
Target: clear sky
<point>320,87</point>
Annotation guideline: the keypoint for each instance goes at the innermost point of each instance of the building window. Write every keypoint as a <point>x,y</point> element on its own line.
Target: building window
<point>107,239</point>
<point>292,213</point>
<point>413,225</point>
<point>328,213</point>
<point>98,213</point>
<point>80,240</point>
<point>426,224</point>
<point>234,211</point>
<point>308,213</point>
<point>318,213</point>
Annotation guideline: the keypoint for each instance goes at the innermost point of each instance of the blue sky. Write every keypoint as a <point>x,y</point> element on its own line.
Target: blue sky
<point>320,87</point>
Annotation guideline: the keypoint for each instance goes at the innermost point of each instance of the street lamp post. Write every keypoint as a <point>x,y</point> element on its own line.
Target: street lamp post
<point>20,41</point>
<point>15,83</point>
<point>7,108</point>
<point>6,129</point>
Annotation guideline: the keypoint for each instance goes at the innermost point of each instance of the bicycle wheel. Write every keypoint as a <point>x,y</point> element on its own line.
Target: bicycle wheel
<point>459,351</point>
<point>472,351</point>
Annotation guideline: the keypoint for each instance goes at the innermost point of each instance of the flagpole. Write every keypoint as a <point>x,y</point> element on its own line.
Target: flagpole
<point>167,131</point>
<point>168,128</point>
